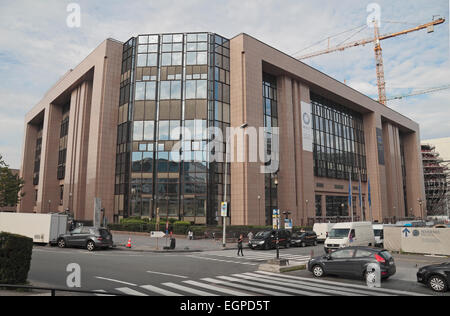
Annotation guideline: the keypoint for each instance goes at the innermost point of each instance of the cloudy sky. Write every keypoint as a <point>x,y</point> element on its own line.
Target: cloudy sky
<point>37,46</point>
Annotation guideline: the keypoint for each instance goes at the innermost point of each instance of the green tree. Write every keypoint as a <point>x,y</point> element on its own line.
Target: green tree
<point>10,186</point>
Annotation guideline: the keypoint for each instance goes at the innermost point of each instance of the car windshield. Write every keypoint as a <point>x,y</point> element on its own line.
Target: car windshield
<point>339,233</point>
<point>262,234</point>
<point>298,235</point>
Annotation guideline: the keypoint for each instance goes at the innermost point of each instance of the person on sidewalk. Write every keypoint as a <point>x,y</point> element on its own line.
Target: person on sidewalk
<point>190,235</point>
<point>241,245</point>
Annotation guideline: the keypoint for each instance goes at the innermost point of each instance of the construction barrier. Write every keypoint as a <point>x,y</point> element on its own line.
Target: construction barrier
<point>430,241</point>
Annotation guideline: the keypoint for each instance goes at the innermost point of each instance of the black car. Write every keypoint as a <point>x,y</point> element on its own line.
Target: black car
<point>268,239</point>
<point>353,261</point>
<point>303,239</point>
<point>86,237</point>
<point>437,276</point>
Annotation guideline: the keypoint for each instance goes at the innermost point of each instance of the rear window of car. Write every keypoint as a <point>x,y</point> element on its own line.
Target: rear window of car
<point>363,253</point>
<point>386,255</point>
<point>104,233</point>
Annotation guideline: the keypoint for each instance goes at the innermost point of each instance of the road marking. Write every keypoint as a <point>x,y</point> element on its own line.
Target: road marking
<point>227,261</point>
<point>274,287</point>
<point>129,291</point>
<point>324,286</point>
<point>216,288</point>
<point>158,290</point>
<point>309,286</point>
<point>398,292</point>
<point>243,287</point>
<point>174,275</point>
<point>188,289</point>
<point>116,281</point>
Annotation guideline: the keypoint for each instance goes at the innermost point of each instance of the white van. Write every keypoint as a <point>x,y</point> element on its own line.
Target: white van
<point>378,230</point>
<point>344,235</point>
<point>322,230</point>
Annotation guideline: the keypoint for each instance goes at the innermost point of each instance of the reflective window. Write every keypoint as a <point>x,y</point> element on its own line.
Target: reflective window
<point>150,89</point>
<point>138,131</point>
<point>149,130</point>
<point>152,60</point>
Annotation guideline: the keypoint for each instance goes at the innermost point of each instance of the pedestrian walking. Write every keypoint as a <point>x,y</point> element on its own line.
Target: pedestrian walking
<point>190,235</point>
<point>250,236</point>
<point>240,245</point>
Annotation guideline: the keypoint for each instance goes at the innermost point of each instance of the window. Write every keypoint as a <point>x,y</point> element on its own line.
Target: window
<point>149,130</point>
<point>343,254</point>
<point>138,131</point>
<point>196,89</point>
<point>339,146</point>
<point>363,254</point>
<point>170,90</point>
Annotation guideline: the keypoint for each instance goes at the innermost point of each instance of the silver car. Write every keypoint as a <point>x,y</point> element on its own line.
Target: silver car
<point>90,238</point>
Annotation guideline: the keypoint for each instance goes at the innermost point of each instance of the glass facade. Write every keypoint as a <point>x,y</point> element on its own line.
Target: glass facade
<point>270,110</point>
<point>64,131</point>
<point>339,145</point>
<point>174,87</point>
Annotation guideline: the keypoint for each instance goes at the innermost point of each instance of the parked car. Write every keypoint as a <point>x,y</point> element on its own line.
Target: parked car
<point>303,239</point>
<point>90,238</point>
<point>268,239</point>
<point>437,276</point>
<point>353,261</point>
<point>322,230</point>
<point>344,235</point>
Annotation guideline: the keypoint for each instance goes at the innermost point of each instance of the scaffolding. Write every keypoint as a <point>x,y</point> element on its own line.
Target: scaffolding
<point>436,177</point>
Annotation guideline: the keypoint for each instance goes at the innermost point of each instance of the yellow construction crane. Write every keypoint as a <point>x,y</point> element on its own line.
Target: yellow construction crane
<point>378,51</point>
<point>421,92</point>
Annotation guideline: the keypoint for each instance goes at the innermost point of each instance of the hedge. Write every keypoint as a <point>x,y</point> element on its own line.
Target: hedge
<point>15,258</point>
<point>182,228</point>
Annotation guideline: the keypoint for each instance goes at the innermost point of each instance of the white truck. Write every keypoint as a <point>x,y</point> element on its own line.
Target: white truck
<point>42,228</point>
<point>322,230</point>
<point>344,235</point>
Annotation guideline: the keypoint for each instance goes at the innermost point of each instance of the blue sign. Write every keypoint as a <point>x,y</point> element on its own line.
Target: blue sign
<point>406,232</point>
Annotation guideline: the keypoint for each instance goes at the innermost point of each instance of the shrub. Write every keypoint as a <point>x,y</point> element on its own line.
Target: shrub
<point>15,258</point>
<point>181,228</point>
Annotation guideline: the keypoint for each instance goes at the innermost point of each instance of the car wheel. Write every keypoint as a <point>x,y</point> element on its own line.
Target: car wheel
<point>267,246</point>
<point>61,243</point>
<point>317,271</point>
<point>90,246</point>
<point>437,283</point>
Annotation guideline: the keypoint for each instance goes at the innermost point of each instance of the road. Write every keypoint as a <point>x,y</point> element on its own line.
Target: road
<point>207,273</point>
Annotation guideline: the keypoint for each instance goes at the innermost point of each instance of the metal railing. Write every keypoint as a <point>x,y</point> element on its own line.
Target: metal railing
<point>53,291</point>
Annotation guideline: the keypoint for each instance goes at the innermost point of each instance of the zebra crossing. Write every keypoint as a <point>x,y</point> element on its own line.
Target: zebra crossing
<point>258,283</point>
<point>250,257</point>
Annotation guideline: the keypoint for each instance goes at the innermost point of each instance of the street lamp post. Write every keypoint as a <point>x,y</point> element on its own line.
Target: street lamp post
<point>421,208</point>
<point>225,189</point>
<point>259,209</point>
<point>278,221</point>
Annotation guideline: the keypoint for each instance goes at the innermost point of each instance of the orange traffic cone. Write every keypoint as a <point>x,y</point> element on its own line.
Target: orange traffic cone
<point>129,243</point>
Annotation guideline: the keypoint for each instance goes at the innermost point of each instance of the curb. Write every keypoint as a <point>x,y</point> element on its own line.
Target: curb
<point>123,248</point>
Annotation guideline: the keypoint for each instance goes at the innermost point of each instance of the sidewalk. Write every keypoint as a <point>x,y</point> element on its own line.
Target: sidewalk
<point>143,243</point>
